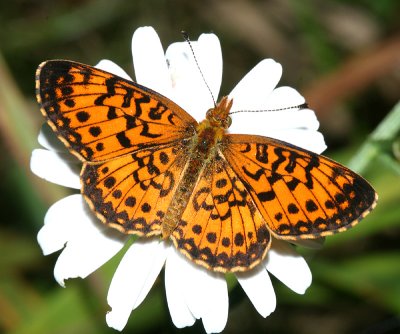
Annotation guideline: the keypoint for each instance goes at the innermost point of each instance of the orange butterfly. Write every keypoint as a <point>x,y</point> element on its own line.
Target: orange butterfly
<point>150,169</point>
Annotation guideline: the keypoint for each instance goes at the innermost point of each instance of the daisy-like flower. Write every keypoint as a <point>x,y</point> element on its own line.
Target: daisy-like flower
<point>192,292</point>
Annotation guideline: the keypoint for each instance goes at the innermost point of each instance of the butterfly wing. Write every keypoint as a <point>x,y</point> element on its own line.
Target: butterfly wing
<point>300,194</point>
<point>221,229</point>
<point>100,116</point>
<point>131,141</point>
<point>132,193</point>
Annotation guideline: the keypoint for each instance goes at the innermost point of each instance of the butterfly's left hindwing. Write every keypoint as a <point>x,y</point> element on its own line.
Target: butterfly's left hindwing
<point>300,194</point>
<point>132,193</point>
<point>100,116</point>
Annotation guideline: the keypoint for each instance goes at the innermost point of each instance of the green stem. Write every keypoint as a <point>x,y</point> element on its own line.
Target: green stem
<point>384,133</point>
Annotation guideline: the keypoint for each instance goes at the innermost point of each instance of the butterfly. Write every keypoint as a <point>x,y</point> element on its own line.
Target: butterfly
<point>150,169</point>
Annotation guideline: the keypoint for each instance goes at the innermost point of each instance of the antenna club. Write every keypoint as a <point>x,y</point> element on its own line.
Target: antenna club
<point>185,35</point>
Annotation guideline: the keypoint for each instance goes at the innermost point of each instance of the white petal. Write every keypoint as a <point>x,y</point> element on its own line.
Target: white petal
<point>176,285</point>
<point>307,139</point>
<point>189,89</point>
<point>109,66</point>
<point>252,92</point>
<point>215,315</point>
<point>204,292</point>
<point>210,62</point>
<point>259,289</point>
<point>133,279</point>
<point>89,243</point>
<point>60,223</point>
<point>288,266</point>
<point>274,120</point>
<point>298,127</point>
<point>151,68</point>
<point>84,254</point>
<point>206,295</point>
<point>48,139</point>
<point>285,97</point>
<point>193,279</point>
<point>56,167</point>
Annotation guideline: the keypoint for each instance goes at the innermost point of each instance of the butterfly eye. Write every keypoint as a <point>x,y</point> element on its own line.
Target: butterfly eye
<point>228,122</point>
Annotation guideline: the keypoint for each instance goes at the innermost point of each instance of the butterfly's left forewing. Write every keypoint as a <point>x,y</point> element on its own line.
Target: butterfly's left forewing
<point>300,194</point>
<point>100,116</point>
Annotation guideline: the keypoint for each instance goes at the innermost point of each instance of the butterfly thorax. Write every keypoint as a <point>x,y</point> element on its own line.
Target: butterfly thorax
<point>201,151</point>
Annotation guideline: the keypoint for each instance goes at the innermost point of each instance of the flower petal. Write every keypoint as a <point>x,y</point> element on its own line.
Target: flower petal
<point>60,223</point>
<point>215,316</point>
<point>259,289</point>
<point>151,68</point>
<point>133,279</point>
<point>286,97</point>
<point>56,167</point>
<point>206,295</point>
<point>79,259</point>
<point>253,91</point>
<point>288,266</point>
<point>291,118</point>
<point>176,285</point>
<point>109,66</point>
<point>310,140</point>
<point>48,139</point>
<point>190,90</point>
<point>210,62</point>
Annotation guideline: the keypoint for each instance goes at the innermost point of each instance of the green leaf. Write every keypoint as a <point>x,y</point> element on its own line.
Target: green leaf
<point>374,278</point>
<point>63,311</point>
<point>17,251</point>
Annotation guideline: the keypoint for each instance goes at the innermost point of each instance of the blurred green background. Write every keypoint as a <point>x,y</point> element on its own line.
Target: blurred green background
<point>343,56</point>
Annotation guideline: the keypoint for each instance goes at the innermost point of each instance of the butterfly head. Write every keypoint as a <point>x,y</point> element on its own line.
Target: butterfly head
<point>219,115</point>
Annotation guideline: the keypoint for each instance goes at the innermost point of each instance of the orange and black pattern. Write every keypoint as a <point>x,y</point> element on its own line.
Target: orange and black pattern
<point>221,227</point>
<point>150,169</point>
<point>299,193</point>
<point>100,116</point>
<point>132,193</point>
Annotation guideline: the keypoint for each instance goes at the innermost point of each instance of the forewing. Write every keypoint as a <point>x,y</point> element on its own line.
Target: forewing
<point>221,229</point>
<point>300,194</point>
<point>132,193</point>
<point>100,116</point>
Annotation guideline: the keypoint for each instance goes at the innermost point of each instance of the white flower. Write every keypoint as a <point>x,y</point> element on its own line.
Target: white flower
<point>192,292</point>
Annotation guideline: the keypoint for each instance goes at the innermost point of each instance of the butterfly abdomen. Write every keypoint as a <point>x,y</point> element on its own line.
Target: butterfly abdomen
<point>201,152</point>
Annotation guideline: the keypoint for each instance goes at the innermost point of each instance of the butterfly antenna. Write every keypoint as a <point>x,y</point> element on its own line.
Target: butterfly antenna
<point>300,106</point>
<point>187,39</point>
